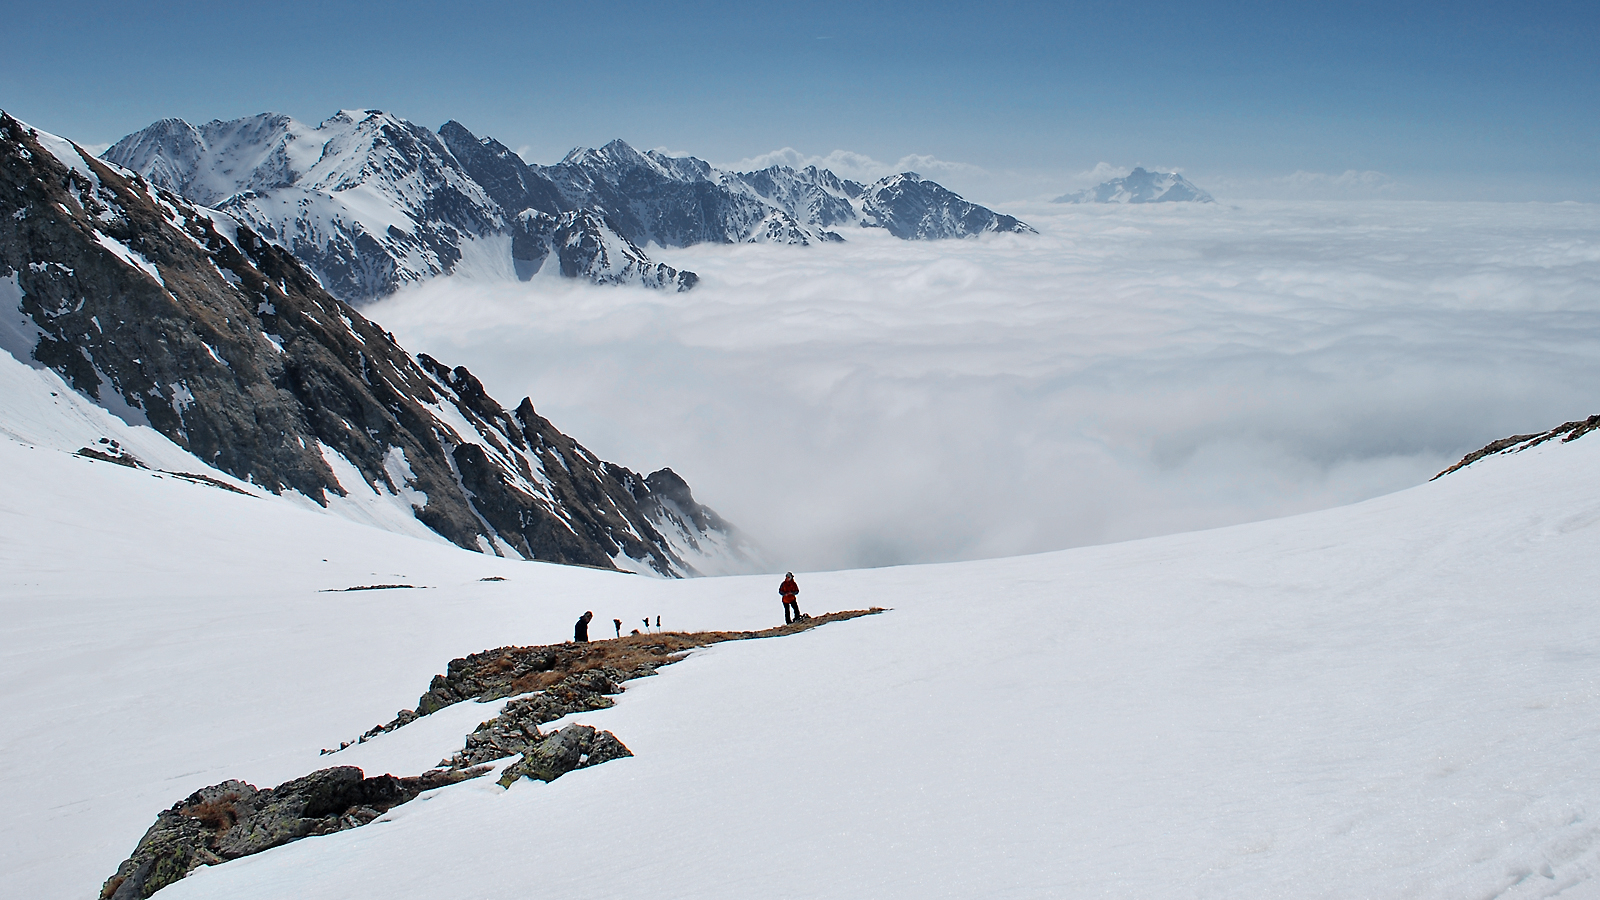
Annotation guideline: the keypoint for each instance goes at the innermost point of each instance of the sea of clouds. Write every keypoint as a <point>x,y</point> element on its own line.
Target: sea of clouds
<point>1130,371</point>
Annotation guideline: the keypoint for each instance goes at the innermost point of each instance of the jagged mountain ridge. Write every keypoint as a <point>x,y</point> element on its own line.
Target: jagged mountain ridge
<point>1140,186</point>
<point>371,202</point>
<point>184,319</point>
<point>671,201</point>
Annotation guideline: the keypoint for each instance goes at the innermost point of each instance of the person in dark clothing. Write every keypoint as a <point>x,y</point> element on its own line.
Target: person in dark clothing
<point>580,632</point>
<point>618,624</point>
<point>790,592</point>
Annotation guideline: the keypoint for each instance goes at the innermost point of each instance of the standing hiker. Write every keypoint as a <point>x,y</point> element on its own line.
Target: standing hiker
<point>618,624</point>
<point>790,592</point>
<point>580,631</point>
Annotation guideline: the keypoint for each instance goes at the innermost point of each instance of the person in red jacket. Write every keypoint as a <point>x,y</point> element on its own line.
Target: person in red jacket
<point>790,592</point>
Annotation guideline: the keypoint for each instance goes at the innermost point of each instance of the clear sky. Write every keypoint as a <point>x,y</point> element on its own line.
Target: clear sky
<point>1484,100</point>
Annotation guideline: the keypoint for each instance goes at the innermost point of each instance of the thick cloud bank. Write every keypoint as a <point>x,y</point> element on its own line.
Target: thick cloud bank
<point>1131,371</point>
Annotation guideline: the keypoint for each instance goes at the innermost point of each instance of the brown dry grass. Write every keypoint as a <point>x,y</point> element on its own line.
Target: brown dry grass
<point>628,652</point>
<point>217,814</point>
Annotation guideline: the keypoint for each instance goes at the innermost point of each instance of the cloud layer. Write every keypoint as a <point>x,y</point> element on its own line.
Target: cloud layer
<point>1129,372</point>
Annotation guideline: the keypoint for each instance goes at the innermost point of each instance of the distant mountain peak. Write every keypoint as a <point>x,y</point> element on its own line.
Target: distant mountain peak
<point>1141,186</point>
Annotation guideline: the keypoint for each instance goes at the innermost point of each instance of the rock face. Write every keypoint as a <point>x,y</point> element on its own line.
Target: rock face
<point>573,747</point>
<point>371,202</point>
<point>913,209</point>
<point>1517,443</point>
<point>1140,186</point>
<point>582,245</point>
<point>680,201</point>
<point>184,319</point>
<point>234,819</point>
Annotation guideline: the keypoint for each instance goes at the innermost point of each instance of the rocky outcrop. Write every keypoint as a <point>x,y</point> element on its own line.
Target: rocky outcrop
<point>570,677</point>
<point>573,747</point>
<point>583,244</point>
<point>234,819</point>
<point>184,319</point>
<point>1517,443</point>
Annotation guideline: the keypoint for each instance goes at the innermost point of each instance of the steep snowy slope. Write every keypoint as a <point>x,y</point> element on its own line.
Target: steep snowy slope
<point>182,319</point>
<point>1395,699</point>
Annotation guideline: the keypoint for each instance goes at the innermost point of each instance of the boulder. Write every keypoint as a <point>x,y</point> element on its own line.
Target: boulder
<point>573,747</point>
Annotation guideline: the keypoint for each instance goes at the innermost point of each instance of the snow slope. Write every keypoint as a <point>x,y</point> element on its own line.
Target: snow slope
<point>1399,698</point>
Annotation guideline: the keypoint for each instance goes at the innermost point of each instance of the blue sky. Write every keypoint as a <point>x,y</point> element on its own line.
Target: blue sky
<point>1481,100</point>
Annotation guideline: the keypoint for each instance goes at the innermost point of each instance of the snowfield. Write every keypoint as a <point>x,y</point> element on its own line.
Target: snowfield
<point>1399,698</point>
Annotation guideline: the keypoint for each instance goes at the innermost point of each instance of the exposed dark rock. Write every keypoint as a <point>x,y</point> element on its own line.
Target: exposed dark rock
<point>585,244</point>
<point>913,209</point>
<point>233,819</point>
<point>1517,443</point>
<point>573,747</point>
<point>512,183</point>
<point>570,677</point>
<point>517,726</point>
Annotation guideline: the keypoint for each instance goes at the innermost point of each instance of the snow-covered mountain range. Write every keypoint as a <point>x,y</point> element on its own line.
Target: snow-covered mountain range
<point>182,319</point>
<point>1140,186</point>
<point>371,202</point>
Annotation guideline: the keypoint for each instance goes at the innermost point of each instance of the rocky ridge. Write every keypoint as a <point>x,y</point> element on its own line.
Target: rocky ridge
<point>184,319</point>
<point>1517,443</point>
<point>234,819</point>
<point>568,677</point>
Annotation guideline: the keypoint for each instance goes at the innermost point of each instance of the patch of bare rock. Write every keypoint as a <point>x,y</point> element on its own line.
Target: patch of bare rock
<point>234,819</point>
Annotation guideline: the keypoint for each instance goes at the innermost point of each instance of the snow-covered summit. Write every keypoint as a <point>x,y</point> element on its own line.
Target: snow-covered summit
<point>369,201</point>
<point>1140,186</point>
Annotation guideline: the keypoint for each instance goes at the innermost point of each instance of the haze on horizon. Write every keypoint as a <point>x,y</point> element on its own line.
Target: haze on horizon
<point>1128,372</point>
<point>1490,101</point>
